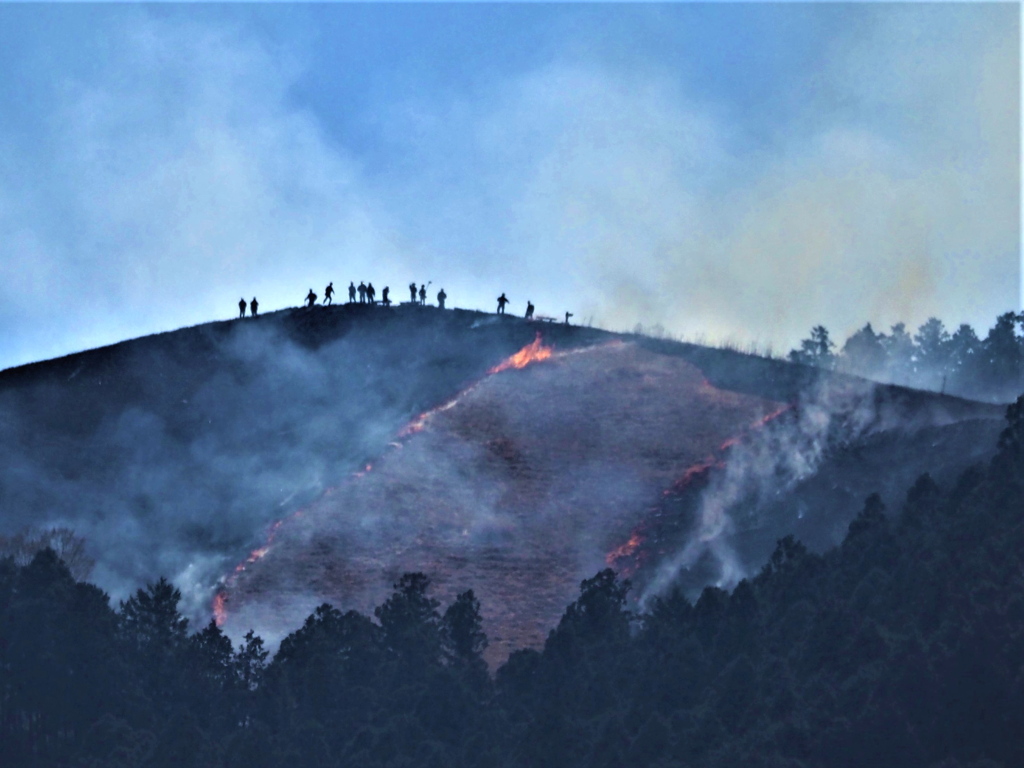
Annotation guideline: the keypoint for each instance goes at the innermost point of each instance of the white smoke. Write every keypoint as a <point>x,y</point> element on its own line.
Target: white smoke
<point>768,463</point>
<point>177,172</point>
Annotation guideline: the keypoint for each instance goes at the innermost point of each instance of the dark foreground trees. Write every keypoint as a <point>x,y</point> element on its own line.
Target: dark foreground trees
<point>902,647</point>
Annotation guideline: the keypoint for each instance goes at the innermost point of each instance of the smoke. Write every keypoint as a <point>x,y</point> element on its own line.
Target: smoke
<point>762,468</point>
<point>170,457</point>
<point>174,169</point>
<point>170,177</point>
<point>517,490</point>
<point>891,193</point>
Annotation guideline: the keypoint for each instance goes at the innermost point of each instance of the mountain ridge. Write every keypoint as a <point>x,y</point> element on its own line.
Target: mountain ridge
<point>173,453</point>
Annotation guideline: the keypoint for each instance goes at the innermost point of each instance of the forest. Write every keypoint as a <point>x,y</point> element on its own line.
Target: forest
<point>960,363</point>
<point>904,647</point>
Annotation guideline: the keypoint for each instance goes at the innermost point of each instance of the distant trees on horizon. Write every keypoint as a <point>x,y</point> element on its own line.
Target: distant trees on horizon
<point>958,363</point>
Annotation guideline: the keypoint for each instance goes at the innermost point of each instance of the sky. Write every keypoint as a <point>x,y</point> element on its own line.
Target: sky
<point>726,172</point>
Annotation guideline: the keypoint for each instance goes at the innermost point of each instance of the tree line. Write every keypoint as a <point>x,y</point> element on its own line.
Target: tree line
<point>903,646</point>
<point>961,363</point>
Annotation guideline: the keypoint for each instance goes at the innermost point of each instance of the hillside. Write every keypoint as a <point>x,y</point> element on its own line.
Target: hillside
<point>177,454</point>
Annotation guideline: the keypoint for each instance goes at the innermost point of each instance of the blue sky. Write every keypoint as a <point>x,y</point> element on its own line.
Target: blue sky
<point>730,171</point>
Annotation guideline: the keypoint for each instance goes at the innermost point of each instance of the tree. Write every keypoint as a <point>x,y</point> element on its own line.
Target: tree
<point>329,666</point>
<point>66,544</point>
<point>1004,355</point>
<point>816,350</point>
<point>863,353</point>
<point>666,618</point>
<point>933,352</point>
<point>870,517</point>
<point>251,661</point>
<point>150,618</point>
<point>462,634</point>
<point>155,635</point>
<point>921,501</point>
<point>212,652</point>
<point>964,359</point>
<point>900,350</point>
<point>597,620</point>
<point>59,669</point>
<point>213,684</point>
<point>410,621</point>
<point>1009,461</point>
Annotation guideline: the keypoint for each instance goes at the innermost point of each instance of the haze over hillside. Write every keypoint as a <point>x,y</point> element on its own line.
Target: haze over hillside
<point>179,454</point>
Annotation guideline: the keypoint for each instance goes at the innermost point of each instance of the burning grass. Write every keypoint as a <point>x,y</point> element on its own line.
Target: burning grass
<point>534,352</point>
<point>517,488</point>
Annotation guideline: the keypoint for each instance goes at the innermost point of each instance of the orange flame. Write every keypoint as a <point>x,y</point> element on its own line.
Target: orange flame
<point>417,424</point>
<point>693,474</point>
<point>763,421</point>
<point>219,610</point>
<point>220,614</point>
<point>624,550</point>
<point>534,352</point>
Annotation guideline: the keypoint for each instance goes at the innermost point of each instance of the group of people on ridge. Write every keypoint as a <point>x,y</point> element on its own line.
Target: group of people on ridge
<point>420,297</point>
<point>367,295</point>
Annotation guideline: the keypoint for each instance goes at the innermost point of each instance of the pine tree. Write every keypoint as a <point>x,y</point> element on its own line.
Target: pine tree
<point>863,353</point>
<point>155,635</point>
<point>251,661</point>
<point>463,638</point>
<point>816,350</point>
<point>410,621</point>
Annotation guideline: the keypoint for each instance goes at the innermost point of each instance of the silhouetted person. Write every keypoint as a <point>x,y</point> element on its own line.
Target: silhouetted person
<point>423,294</point>
<point>384,297</point>
<point>502,301</point>
<point>241,307</point>
<point>310,298</point>
<point>328,293</point>
<point>412,292</point>
<point>351,293</point>
<point>371,292</point>
<point>254,307</point>
<point>441,296</point>
<point>567,316</point>
<point>362,292</point>
<point>529,310</point>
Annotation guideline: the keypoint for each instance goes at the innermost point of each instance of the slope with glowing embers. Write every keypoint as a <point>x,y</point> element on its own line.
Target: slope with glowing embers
<point>517,489</point>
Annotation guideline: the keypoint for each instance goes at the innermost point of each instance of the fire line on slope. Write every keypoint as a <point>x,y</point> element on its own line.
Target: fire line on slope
<point>626,556</point>
<point>534,352</point>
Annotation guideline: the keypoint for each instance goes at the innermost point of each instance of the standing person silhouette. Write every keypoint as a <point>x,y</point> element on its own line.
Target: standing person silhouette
<point>384,297</point>
<point>351,293</point>
<point>529,310</point>
<point>371,293</point>
<point>253,306</point>
<point>310,298</point>
<point>412,293</point>
<point>328,293</point>
<point>567,316</point>
<point>423,294</point>
<point>362,292</point>
<point>241,307</point>
<point>441,296</point>
<point>502,301</point>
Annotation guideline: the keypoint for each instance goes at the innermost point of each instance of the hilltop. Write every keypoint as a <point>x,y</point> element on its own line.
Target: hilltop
<point>176,454</point>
